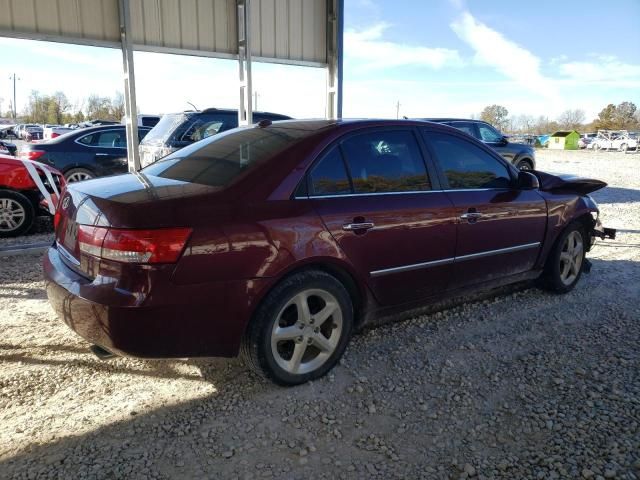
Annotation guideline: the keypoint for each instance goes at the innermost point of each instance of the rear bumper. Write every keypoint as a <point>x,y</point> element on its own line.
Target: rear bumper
<point>180,321</point>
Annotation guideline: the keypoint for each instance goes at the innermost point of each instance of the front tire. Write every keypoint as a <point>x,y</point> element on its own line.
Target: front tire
<point>565,262</point>
<point>16,214</point>
<point>301,329</point>
<point>525,165</point>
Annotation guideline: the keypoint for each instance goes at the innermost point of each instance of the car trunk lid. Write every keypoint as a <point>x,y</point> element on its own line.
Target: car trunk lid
<point>131,208</point>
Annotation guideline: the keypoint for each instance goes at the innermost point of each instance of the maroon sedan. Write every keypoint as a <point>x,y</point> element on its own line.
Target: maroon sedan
<point>280,240</point>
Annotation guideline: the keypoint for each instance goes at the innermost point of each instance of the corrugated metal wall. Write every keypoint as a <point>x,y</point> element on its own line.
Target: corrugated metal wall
<point>77,19</point>
<point>289,29</point>
<point>208,25</point>
<point>282,30</point>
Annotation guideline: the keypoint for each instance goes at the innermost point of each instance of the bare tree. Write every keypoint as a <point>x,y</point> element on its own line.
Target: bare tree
<point>572,119</point>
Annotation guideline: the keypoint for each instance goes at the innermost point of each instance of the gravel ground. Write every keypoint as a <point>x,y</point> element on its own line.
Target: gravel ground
<point>524,385</point>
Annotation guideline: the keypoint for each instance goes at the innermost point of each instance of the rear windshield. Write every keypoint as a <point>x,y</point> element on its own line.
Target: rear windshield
<point>221,159</point>
<point>164,128</point>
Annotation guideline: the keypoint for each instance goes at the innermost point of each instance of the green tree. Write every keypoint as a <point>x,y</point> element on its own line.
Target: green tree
<point>606,118</point>
<point>98,108</point>
<point>496,115</point>
<point>624,116</point>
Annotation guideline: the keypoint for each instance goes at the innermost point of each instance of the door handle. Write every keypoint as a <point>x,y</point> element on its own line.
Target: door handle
<point>358,226</point>
<point>103,154</point>
<point>471,216</point>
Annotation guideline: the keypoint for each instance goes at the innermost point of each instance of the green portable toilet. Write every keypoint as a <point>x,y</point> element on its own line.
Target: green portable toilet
<point>564,140</point>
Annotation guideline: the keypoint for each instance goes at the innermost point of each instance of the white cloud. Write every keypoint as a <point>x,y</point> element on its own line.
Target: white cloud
<point>510,59</point>
<point>368,50</point>
<point>604,68</point>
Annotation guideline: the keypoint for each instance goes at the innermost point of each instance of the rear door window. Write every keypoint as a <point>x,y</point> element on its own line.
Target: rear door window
<point>329,176</point>
<point>466,127</point>
<point>205,125</point>
<point>489,134</point>
<point>385,161</point>
<point>465,165</point>
<point>105,139</point>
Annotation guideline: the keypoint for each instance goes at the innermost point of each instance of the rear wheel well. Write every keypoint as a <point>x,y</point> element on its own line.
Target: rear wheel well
<point>344,277</point>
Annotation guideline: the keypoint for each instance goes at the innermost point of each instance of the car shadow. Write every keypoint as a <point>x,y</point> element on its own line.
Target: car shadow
<point>191,439</point>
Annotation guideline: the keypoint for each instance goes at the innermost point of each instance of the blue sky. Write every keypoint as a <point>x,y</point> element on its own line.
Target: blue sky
<point>436,57</point>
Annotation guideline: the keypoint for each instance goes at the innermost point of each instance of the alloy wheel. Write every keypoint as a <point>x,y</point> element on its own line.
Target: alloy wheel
<point>571,258</point>
<point>78,177</point>
<point>307,331</point>
<point>12,215</point>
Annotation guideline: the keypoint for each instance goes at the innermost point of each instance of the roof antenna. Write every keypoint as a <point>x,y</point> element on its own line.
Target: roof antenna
<point>405,117</point>
<point>196,108</point>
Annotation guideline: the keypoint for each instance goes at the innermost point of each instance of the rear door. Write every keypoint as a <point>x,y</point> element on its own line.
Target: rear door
<point>106,150</point>
<point>388,215</point>
<point>500,228</point>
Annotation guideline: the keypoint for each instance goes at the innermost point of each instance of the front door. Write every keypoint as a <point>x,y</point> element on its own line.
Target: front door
<point>377,200</point>
<point>500,228</point>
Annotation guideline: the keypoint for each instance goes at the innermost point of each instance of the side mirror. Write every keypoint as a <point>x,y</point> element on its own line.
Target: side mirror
<point>527,181</point>
<point>504,140</point>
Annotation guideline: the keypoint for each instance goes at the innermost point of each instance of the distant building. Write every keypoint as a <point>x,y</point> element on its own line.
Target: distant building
<point>564,140</point>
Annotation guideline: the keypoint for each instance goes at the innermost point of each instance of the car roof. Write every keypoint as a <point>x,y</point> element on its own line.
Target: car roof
<point>228,110</point>
<point>450,119</point>
<point>320,124</point>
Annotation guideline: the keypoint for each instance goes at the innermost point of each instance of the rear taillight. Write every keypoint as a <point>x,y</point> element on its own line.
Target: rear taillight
<point>133,246</point>
<point>54,135</point>
<point>32,154</point>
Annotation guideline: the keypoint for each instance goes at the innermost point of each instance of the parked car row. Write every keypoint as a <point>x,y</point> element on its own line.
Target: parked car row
<point>620,140</point>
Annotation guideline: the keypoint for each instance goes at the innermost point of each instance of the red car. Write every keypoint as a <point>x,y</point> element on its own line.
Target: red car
<point>27,189</point>
<point>279,240</point>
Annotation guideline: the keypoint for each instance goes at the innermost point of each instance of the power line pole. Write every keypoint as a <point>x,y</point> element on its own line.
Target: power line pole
<point>15,112</point>
<point>397,109</point>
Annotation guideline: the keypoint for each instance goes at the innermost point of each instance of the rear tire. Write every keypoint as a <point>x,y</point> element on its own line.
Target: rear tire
<point>300,330</point>
<point>16,214</point>
<point>78,175</point>
<point>565,262</point>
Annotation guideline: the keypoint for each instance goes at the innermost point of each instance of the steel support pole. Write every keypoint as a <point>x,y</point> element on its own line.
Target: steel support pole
<point>130,109</point>
<point>335,29</point>
<point>15,108</point>
<point>245,109</point>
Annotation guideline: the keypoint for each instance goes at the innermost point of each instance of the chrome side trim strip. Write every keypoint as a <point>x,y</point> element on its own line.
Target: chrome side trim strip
<point>446,261</point>
<point>410,192</point>
<point>416,266</point>
<point>373,194</point>
<point>499,251</point>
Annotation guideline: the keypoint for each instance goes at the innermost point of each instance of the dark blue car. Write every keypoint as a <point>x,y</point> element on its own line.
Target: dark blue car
<point>85,153</point>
